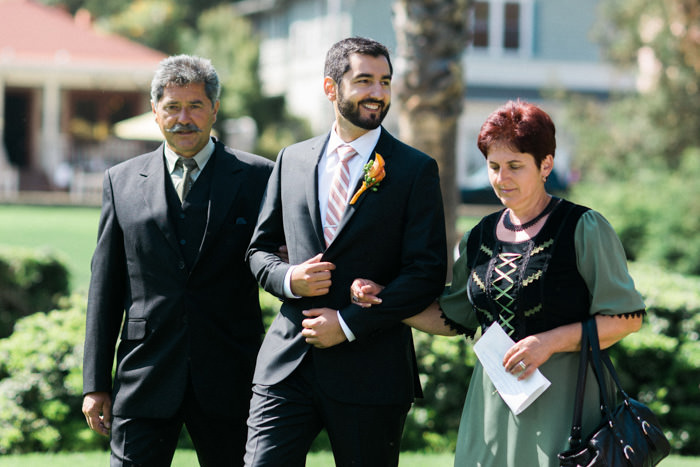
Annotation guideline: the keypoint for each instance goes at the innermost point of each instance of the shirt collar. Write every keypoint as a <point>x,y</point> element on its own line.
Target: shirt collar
<point>202,157</point>
<point>363,145</point>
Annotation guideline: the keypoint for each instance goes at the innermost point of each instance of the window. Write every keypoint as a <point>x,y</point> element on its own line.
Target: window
<point>511,31</point>
<point>480,26</point>
<point>502,27</point>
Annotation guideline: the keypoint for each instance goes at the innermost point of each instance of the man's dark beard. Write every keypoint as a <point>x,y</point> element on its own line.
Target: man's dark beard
<point>351,112</point>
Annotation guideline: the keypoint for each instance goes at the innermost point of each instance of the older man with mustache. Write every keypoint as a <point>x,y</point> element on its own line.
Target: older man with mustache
<point>170,283</point>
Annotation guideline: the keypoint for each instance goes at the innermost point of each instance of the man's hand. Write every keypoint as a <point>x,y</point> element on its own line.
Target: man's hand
<point>97,408</point>
<point>363,292</point>
<point>321,328</point>
<point>312,277</point>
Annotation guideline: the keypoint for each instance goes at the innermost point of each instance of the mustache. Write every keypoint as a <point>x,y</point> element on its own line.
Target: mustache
<point>183,127</point>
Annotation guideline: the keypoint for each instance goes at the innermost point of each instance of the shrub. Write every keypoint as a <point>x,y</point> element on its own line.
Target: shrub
<point>40,373</point>
<point>30,281</point>
<point>660,365</point>
<point>654,211</point>
<point>41,383</point>
<point>445,365</point>
<point>270,306</point>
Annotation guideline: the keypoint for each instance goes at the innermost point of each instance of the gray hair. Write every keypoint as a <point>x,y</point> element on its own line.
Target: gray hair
<point>181,70</point>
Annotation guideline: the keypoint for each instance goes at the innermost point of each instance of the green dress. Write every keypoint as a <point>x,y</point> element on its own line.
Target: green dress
<point>494,288</point>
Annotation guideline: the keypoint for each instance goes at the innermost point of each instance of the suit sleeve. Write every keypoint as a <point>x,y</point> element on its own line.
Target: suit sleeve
<point>423,261</point>
<point>269,270</point>
<point>105,307</point>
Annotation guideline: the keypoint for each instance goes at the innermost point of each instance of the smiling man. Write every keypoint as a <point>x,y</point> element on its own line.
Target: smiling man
<point>169,264</point>
<point>325,362</point>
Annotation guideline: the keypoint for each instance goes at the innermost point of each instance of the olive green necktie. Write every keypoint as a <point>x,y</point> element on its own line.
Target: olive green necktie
<point>188,166</point>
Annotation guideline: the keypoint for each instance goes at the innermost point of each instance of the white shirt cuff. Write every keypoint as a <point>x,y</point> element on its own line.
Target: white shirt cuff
<point>288,284</point>
<point>348,333</point>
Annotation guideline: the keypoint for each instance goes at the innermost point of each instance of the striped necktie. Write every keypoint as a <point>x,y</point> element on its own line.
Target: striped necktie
<point>188,166</point>
<point>338,194</point>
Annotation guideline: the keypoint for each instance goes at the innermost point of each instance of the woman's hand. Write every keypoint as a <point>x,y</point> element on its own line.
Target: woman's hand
<point>363,292</point>
<point>525,356</point>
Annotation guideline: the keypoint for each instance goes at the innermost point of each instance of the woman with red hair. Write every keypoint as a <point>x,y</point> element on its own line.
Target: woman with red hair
<point>538,268</point>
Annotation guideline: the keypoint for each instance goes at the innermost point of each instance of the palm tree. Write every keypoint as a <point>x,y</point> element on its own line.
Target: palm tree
<point>431,38</point>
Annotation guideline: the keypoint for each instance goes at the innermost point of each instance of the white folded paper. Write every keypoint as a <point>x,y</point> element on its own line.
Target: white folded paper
<point>490,349</point>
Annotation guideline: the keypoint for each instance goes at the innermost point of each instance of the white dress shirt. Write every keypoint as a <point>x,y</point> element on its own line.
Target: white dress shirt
<point>364,145</point>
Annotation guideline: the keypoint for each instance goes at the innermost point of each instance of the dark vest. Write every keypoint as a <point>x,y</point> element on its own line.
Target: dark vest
<point>190,217</point>
<point>549,290</point>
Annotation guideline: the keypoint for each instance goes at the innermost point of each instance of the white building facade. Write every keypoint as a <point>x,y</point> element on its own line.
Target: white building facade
<point>521,49</point>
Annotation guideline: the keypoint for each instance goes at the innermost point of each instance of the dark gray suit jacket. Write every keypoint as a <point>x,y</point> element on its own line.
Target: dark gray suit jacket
<point>394,236</point>
<point>203,325</point>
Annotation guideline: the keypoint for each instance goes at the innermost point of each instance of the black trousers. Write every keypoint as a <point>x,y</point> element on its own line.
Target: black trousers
<point>286,418</point>
<point>152,442</point>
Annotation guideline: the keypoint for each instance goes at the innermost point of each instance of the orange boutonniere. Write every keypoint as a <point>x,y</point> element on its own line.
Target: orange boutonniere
<point>374,173</point>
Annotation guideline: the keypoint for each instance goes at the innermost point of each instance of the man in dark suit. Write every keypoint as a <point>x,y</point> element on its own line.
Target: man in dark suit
<point>169,270</point>
<point>326,362</point>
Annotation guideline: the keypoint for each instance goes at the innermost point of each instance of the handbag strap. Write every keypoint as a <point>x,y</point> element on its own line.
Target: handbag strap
<point>605,358</point>
<point>592,330</point>
<point>575,437</point>
<point>599,356</point>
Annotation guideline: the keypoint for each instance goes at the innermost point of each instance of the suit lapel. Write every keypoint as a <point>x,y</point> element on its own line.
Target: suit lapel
<point>318,147</point>
<point>153,182</point>
<point>223,190</point>
<point>383,147</point>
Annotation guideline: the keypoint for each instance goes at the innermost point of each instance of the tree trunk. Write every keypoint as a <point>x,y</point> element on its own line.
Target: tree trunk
<point>432,36</point>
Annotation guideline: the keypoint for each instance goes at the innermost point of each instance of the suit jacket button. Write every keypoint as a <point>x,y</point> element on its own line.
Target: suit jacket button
<point>181,265</point>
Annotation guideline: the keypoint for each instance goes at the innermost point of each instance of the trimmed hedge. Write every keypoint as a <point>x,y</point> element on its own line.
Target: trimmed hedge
<point>661,363</point>
<point>30,281</point>
<point>41,383</point>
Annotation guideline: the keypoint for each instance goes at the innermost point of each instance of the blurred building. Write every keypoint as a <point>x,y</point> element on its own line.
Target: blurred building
<point>520,49</point>
<point>63,87</point>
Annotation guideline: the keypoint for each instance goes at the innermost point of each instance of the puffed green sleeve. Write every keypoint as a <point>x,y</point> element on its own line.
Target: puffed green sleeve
<point>602,263</point>
<point>454,301</point>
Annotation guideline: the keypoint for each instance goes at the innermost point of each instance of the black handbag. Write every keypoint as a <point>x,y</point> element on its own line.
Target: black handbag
<point>629,435</point>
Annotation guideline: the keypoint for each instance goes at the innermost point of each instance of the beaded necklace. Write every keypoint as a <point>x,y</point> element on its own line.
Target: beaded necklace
<point>519,228</point>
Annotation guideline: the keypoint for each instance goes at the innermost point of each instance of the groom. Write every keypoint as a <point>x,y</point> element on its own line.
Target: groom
<point>326,362</point>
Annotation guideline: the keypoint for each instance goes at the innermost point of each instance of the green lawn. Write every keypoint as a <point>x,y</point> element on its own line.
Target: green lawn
<point>189,459</point>
<point>71,231</point>
<point>322,459</point>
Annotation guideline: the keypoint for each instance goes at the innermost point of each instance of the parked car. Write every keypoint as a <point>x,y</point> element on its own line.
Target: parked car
<point>477,189</point>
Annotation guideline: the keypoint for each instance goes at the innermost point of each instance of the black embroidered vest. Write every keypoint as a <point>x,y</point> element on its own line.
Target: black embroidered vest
<point>531,286</point>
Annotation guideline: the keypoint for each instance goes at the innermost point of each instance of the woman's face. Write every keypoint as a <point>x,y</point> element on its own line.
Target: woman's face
<point>515,177</point>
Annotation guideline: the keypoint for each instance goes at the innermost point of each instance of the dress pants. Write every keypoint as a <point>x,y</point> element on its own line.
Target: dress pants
<point>219,442</point>
<point>285,418</point>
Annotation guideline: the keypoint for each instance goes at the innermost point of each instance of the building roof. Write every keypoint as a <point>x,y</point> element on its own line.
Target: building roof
<point>36,34</point>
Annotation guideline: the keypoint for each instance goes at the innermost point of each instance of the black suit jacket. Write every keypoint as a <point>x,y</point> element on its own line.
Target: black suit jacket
<point>394,236</point>
<point>201,325</point>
